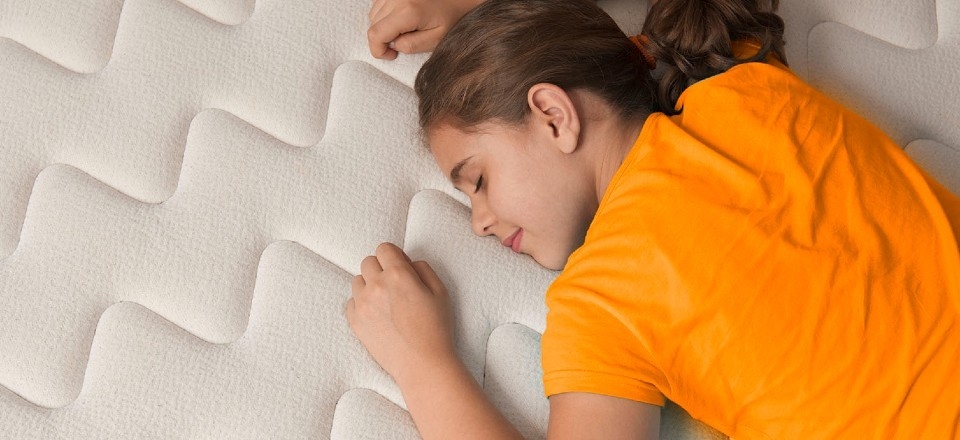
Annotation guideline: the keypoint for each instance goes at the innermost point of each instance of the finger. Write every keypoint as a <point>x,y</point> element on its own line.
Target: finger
<point>390,255</point>
<point>430,278</point>
<point>351,311</point>
<point>370,267</point>
<point>382,32</point>
<point>379,50</point>
<point>357,285</point>
<point>419,41</point>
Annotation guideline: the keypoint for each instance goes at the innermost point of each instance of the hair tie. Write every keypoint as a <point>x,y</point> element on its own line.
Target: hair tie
<point>641,41</point>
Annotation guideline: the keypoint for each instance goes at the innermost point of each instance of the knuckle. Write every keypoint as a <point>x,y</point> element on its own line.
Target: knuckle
<point>373,31</point>
<point>394,277</point>
<point>413,8</point>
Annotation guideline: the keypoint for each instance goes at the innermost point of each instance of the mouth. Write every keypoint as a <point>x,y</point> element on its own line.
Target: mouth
<point>513,241</point>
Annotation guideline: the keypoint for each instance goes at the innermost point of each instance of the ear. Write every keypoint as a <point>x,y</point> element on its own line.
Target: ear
<point>554,114</point>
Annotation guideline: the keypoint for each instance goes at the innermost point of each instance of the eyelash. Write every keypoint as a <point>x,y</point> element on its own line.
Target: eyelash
<point>479,183</point>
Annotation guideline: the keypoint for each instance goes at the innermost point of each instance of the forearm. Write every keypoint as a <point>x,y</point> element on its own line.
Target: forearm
<point>446,402</point>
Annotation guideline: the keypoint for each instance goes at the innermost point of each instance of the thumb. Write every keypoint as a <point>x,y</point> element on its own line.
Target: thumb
<point>418,41</point>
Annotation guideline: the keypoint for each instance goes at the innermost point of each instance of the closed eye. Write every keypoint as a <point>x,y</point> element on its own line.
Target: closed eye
<point>479,184</point>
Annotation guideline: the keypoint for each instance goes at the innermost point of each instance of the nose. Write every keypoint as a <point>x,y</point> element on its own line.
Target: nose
<point>481,217</point>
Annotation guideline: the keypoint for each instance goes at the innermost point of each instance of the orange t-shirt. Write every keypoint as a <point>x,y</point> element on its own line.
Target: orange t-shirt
<point>774,264</point>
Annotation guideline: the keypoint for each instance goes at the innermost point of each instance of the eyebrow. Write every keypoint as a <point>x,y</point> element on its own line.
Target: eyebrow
<point>455,172</point>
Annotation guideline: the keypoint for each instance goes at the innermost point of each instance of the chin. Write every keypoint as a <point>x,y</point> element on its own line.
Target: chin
<point>555,257</point>
<point>554,263</point>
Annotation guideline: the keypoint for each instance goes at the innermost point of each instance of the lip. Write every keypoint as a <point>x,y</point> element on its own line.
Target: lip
<point>513,241</point>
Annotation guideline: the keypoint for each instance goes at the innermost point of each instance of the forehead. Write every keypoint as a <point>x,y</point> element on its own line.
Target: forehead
<point>452,149</point>
<point>447,135</point>
<point>451,145</point>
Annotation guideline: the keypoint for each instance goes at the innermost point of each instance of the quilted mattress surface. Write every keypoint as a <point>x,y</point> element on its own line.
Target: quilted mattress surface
<point>188,186</point>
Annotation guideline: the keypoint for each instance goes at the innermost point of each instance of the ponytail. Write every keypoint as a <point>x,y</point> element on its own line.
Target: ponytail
<point>694,39</point>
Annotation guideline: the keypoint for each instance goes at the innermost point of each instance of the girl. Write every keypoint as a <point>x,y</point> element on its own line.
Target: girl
<point>730,238</point>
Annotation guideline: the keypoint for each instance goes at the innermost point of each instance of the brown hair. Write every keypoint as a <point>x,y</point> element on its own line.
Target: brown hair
<point>488,61</point>
<point>693,39</point>
<point>483,68</point>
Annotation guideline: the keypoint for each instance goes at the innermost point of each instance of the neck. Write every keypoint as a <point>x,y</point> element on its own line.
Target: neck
<point>615,138</point>
<point>605,139</point>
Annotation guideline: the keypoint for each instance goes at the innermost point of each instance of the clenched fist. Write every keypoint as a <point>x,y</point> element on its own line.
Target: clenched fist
<point>412,26</point>
<point>401,312</point>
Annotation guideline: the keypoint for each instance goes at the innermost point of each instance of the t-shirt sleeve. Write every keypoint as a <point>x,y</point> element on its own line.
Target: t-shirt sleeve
<point>586,348</point>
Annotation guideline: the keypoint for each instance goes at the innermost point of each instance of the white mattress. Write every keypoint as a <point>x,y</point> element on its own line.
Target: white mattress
<point>187,188</point>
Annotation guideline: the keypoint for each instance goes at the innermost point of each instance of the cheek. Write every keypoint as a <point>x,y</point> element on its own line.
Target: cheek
<point>542,213</point>
<point>523,197</point>
<point>565,215</point>
<point>509,205</point>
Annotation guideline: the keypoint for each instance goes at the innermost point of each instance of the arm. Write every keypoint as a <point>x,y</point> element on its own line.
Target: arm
<point>584,415</point>
<point>400,311</point>
<point>445,402</point>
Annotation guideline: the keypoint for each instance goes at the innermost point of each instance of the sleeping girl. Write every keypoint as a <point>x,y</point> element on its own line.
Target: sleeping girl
<point>729,238</point>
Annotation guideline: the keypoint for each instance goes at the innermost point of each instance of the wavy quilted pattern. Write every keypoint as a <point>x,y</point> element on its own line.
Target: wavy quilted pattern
<point>188,186</point>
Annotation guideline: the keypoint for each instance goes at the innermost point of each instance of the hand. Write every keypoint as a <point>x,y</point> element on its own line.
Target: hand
<point>401,312</point>
<point>412,26</point>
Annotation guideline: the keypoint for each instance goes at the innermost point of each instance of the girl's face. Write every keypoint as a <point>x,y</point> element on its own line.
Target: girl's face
<point>534,197</point>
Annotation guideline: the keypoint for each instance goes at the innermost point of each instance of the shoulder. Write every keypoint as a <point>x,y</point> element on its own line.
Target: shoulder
<point>749,81</point>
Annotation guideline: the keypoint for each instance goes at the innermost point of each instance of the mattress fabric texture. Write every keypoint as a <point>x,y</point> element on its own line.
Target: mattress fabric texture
<point>187,188</point>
